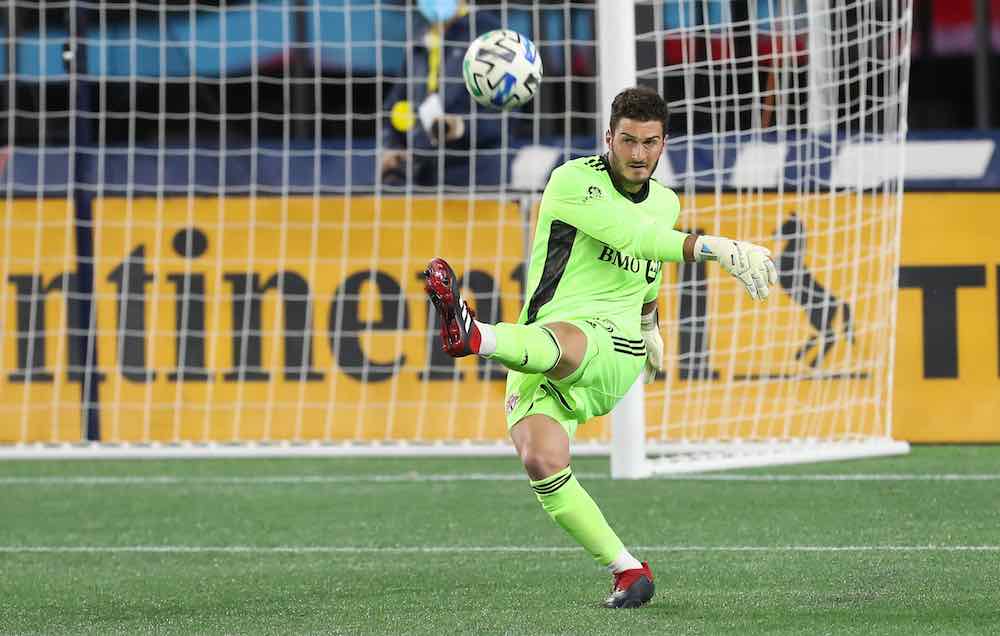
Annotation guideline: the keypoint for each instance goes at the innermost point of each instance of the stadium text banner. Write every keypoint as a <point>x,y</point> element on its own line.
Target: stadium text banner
<point>300,318</point>
<point>40,363</point>
<point>946,365</point>
<point>271,319</point>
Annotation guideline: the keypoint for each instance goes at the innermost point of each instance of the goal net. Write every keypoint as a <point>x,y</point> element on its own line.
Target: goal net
<point>214,217</point>
<point>788,130</point>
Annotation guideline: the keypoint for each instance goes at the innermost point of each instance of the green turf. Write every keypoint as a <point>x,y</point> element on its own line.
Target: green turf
<point>469,581</point>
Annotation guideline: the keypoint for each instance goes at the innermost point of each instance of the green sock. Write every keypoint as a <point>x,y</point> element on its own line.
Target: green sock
<point>571,507</point>
<point>525,348</point>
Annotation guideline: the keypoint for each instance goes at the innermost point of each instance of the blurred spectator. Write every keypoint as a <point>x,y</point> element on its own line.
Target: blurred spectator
<point>439,120</point>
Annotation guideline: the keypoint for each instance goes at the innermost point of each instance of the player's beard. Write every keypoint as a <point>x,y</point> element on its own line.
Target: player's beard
<point>620,166</point>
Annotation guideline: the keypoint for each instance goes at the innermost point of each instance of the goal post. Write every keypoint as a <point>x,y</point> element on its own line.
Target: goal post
<point>807,99</point>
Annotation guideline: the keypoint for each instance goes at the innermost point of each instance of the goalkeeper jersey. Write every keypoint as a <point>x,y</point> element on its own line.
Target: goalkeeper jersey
<point>598,250</point>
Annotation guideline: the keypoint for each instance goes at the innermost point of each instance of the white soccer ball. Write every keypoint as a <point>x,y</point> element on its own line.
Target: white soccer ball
<point>502,69</point>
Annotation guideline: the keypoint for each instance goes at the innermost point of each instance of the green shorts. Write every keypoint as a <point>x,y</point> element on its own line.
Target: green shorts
<point>610,367</point>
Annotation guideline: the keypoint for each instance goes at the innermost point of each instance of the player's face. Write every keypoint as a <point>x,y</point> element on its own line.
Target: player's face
<point>635,147</point>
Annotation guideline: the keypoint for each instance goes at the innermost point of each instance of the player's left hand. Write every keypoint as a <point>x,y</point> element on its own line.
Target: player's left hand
<point>650,330</point>
<point>751,264</point>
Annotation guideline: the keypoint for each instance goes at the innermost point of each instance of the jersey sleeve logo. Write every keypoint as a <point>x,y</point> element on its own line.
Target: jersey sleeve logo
<point>594,193</point>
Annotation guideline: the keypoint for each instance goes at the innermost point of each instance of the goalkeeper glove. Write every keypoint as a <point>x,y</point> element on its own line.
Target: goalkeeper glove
<point>750,263</point>
<point>650,328</point>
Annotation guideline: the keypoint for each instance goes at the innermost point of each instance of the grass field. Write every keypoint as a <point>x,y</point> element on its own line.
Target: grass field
<point>907,545</point>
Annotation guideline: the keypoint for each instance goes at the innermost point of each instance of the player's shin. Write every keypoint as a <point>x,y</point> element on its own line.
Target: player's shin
<point>569,505</point>
<point>525,348</point>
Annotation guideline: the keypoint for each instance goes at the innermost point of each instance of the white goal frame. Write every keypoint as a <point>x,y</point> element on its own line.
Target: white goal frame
<point>632,456</point>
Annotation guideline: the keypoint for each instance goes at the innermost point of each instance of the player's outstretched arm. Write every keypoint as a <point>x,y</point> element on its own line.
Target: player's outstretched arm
<point>749,263</point>
<point>566,198</point>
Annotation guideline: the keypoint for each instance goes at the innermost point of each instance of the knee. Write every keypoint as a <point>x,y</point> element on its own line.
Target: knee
<point>542,444</point>
<point>540,463</point>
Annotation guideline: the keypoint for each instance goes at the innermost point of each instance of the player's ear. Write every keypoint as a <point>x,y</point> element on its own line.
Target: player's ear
<point>607,137</point>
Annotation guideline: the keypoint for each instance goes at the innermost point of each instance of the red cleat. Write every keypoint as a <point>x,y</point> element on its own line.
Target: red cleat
<point>459,333</point>
<point>631,588</point>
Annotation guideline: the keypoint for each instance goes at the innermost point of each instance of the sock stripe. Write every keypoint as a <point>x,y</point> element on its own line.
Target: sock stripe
<point>619,339</point>
<point>633,347</point>
<point>548,489</point>
<point>631,352</point>
<point>551,479</point>
<point>545,481</point>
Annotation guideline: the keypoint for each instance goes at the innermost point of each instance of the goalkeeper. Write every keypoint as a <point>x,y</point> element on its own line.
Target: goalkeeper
<point>589,327</point>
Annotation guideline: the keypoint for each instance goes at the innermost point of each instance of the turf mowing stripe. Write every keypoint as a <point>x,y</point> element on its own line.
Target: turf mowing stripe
<point>155,480</point>
<point>249,549</point>
<point>838,477</point>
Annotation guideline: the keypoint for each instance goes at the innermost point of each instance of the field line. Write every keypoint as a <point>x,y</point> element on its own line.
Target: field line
<point>321,549</point>
<point>155,480</point>
<point>413,477</point>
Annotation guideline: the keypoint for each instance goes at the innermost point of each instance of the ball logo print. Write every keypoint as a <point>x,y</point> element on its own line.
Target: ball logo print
<point>504,90</point>
<point>502,69</point>
<point>530,52</point>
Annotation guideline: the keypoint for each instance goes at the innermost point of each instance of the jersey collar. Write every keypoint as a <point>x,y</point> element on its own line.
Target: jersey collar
<point>638,197</point>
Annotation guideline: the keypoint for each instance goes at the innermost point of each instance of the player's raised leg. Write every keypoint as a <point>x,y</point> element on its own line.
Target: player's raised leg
<point>525,348</point>
<point>543,446</point>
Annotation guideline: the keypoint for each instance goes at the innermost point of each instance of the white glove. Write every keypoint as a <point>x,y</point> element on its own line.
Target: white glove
<point>750,263</point>
<point>650,329</point>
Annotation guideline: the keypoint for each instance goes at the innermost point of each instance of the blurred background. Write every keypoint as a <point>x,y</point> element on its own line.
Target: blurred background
<point>168,126</point>
<point>177,62</point>
<point>214,219</point>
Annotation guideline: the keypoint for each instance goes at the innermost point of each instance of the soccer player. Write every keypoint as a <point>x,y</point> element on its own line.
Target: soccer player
<point>589,327</point>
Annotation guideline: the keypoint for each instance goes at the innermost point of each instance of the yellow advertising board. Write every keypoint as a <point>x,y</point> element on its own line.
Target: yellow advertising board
<point>813,360</point>
<point>39,387</point>
<point>305,319</point>
<point>273,319</point>
<point>947,370</point>
<point>946,361</point>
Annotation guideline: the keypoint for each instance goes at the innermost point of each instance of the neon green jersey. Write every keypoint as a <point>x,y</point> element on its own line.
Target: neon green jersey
<point>598,250</point>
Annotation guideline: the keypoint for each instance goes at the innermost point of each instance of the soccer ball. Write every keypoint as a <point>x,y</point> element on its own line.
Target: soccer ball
<point>502,69</point>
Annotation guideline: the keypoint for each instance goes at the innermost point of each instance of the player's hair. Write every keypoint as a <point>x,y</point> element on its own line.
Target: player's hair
<point>641,104</point>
